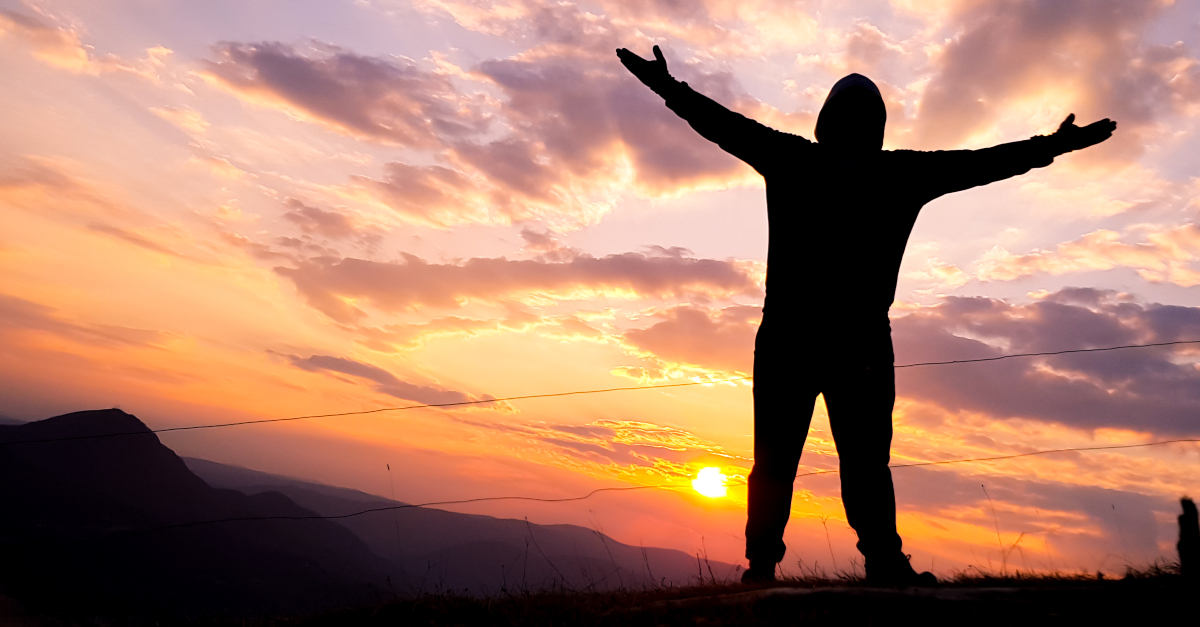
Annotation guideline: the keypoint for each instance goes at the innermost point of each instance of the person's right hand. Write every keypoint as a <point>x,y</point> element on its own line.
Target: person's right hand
<point>652,73</point>
<point>1072,137</point>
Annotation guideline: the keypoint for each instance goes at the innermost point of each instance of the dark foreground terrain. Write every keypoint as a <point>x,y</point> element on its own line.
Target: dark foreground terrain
<point>1161,597</point>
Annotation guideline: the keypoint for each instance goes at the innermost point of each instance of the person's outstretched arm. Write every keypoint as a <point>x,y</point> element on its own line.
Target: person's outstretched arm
<point>735,133</point>
<point>955,170</point>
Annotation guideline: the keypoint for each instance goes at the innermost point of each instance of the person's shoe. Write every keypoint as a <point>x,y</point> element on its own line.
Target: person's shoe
<point>898,572</point>
<point>759,574</point>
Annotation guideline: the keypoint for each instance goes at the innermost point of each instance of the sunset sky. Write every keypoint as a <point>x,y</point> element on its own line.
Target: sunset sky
<point>233,210</point>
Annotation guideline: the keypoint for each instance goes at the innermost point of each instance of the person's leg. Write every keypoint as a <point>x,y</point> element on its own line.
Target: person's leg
<point>782,413</point>
<point>860,401</point>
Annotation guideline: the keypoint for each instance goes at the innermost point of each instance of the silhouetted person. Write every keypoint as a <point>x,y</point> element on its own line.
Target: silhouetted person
<point>1189,540</point>
<point>840,211</point>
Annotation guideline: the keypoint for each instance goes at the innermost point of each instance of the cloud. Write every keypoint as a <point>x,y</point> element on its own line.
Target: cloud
<point>219,166</point>
<point>939,275</point>
<point>189,120</point>
<point>394,337</point>
<point>391,101</point>
<point>1088,56</point>
<point>557,133</point>
<point>24,316</point>
<point>261,251</point>
<point>1165,256</point>
<point>1154,390</point>
<point>50,188</point>
<point>131,237</point>
<point>869,48</point>
<point>383,381</point>
<point>581,105</point>
<point>974,65</point>
<point>714,339</point>
<point>435,195</point>
<point>863,48</point>
<point>397,337</point>
<point>721,27</point>
<point>1080,519</point>
<point>40,184</point>
<point>546,246</point>
<point>581,133</point>
<point>625,446</point>
<point>328,284</point>
<point>49,42</point>
<point>61,47</point>
<point>541,242</point>
<point>314,220</point>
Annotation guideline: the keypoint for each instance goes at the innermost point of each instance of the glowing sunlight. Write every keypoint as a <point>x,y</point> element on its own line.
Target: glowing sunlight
<point>711,483</point>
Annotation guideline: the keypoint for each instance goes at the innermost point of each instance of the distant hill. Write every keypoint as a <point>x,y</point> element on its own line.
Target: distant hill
<point>446,550</point>
<point>439,550</point>
<point>72,512</point>
<point>80,524</point>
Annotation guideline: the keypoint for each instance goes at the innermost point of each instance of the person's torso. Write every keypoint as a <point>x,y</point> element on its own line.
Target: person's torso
<point>837,232</point>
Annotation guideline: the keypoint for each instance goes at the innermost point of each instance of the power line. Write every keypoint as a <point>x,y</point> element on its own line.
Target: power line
<point>661,486</point>
<point>557,394</point>
<point>1016,455</point>
<point>363,412</point>
<point>1063,352</point>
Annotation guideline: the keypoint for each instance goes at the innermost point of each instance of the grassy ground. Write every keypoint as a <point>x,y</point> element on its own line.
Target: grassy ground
<point>1157,594</point>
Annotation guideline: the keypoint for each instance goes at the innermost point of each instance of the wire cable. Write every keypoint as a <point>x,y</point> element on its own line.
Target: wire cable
<point>1062,352</point>
<point>661,486</point>
<point>558,394</point>
<point>1016,455</point>
<point>371,411</point>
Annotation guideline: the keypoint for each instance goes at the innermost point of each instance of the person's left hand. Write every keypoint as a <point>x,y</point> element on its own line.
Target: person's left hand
<point>652,73</point>
<point>1072,137</point>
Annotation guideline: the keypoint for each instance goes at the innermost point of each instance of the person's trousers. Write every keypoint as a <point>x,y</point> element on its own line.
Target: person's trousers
<point>788,376</point>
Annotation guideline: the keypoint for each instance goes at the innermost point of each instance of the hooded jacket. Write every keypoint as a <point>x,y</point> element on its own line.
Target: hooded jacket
<point>841,209</point>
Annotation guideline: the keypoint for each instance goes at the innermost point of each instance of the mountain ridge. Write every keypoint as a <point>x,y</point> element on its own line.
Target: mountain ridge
<point>111,520</point>
<point>80,516</point>
<point>433,539</point>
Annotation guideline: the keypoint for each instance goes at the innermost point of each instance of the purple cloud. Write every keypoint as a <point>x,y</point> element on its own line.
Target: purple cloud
<point>383,381</point>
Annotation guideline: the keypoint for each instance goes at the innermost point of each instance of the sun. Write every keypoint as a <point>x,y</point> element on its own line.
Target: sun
<point>710,482</point>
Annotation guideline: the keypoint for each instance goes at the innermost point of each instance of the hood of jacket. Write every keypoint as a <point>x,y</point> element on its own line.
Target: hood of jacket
<point>853,116</point>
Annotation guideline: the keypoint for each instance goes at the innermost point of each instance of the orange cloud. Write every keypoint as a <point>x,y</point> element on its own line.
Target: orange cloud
<point>49,42</point>
<point>131,237</point>
<point>48,187</point>
<point>61,47</point>
<point>717,340</point>
<point>1166,256</point>
<point>939,274</point>
<point>637,451</point>
<point>189,120</point>
<point>41,184</point>
<point>328,284</point>
<point>21,316</point>
<point>396,337</point>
